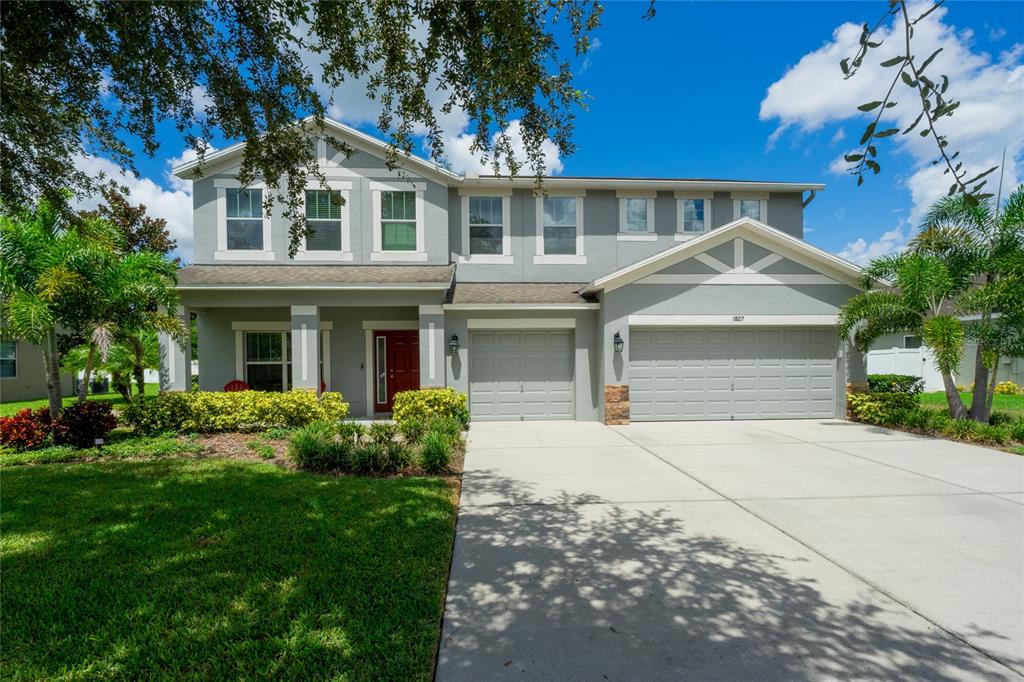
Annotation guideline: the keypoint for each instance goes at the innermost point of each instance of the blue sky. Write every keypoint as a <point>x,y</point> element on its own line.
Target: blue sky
<point>751,91</point>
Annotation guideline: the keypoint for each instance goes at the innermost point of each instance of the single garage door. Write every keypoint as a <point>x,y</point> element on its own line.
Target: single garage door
<point>521,374</point>
<point>774,373</point>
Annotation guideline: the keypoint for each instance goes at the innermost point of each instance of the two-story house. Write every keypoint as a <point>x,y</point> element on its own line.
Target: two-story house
<point>594,298</point>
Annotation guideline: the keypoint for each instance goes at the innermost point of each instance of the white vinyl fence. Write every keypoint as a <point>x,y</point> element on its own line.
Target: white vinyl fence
<point>917,362</point>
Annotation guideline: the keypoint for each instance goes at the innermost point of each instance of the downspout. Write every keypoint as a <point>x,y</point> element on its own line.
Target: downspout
<point>809,198</point>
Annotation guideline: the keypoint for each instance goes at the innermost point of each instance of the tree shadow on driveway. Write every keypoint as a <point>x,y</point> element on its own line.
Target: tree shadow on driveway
<point>586,589</point>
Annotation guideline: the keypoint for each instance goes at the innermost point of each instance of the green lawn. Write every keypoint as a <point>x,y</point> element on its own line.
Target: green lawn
<point>1014,404</point>
<point>216,569</point>
<point>7,409</point>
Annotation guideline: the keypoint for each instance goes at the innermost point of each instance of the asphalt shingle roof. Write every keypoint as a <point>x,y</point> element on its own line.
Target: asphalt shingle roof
<point>293,275</point>
<point>506,293</point>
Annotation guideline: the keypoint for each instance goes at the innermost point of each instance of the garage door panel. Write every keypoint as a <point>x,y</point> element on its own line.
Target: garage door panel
<point>521,374</point>
<point>732,373</point>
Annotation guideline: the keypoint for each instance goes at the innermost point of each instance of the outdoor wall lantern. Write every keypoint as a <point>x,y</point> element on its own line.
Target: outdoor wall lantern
<point>453,345</point>
<point>617,342</point>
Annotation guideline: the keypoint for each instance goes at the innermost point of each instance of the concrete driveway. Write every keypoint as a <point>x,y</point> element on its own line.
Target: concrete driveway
<point>775,550</point>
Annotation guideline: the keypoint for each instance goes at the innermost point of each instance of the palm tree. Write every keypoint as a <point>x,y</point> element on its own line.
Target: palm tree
<point>923,287</point>
<point>990,238</point>
<point>46,265</point>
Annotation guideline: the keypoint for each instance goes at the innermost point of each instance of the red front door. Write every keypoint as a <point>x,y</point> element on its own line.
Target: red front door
<point>396,361</point>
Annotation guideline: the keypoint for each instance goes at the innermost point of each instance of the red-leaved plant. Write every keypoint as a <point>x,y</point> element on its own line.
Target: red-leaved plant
<point>27,429</point>
<point>82,423</point>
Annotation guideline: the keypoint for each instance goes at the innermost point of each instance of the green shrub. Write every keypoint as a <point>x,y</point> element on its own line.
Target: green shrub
<point>431,403</point>
<point>880,408</point>
<point>960,429</point>
<point>278,433</point>
<point>158,414</point>
<point>449,426</point>
<point>1006,388</point>
<point>895,383</point>
<point>1016,430</point>
<point>207,412</point>
<point>352,432</point>
<point>412,430</point>
<point>994,435</point>
<point>436,453</point>
<point>82,424</point>
<point>1001,418</point>
<point>317,447</point>
<point>400,457</point>
<point>382,433</point>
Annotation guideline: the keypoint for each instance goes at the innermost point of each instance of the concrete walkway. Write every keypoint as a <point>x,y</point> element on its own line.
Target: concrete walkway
<point>783,550</point>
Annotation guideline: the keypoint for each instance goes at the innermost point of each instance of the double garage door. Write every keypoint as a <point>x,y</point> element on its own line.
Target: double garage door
<point>521,374</point>
<point>713,373</point>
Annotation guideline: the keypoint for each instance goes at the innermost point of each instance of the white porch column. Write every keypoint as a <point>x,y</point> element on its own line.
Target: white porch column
<point>432,346</point>
<point>305,328</point>
<point>175,362</point>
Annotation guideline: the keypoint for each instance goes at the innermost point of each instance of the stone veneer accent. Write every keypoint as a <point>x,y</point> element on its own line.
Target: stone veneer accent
<point>616,404</point>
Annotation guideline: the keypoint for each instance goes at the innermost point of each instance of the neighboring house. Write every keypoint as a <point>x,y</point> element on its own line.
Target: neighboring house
<point>907,354</point>
<point>22,373</point>
<point>600,298</point>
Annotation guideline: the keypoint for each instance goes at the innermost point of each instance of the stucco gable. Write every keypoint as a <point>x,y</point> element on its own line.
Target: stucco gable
<point>744,251</point>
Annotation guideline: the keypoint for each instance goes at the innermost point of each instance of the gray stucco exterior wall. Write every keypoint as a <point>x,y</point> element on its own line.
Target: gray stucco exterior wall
<point>29,382</point>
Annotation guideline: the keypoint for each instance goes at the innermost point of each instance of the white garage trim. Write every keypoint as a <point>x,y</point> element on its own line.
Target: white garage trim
<point>732,320</point>
<point>522,323</point>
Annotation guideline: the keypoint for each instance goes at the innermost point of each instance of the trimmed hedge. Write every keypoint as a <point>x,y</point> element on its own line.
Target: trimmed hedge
<point>209,412</point>
<point>895,383</point>
<point>430,404</point>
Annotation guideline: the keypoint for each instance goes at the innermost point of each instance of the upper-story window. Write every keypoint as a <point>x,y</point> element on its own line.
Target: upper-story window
<point>8,359</point>
<point>636,216</point>
<point>753,205</point>
<point>244,219</point>
<point>243,226</point>
<point>560,229</point>
<point>485,226</point>
<point>398,222</point>
<point>693,213</point>
<point>486,223</point>
<point>323,217</point>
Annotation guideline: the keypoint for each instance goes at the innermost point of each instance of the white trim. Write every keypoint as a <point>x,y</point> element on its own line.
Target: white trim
<point>521,323</point>
<point>239,354</point>
<point>737,255</point>
<point>371,371</point>
<point>756,232</point>
<point>712,262</point>
<point>272,326</point>
<point>378,254</point>
<point>376,366</point>
<point>560,260</point>
<point>761,264</point>
<point>686,236</point>
<point>485,191</point>
<point>304,310</point>
<point>222,252</point>
<point>325,356</point>
<point>431,346</point>
<point>636,237</point>
<point>737,278</point>
<point>732,320</point>
<point>345,254</point>
<point>681,199</point>
<point>506,230</point>
<point>234,183</point>
<point>303,340</point>
<point>621,200</point>
<point>431,310</point>
<point>763,209</point>
<point>577,258</point>
<point>522,306</point>
<point>399,186</point>
<point>636,194</point>
<point>391,325</point>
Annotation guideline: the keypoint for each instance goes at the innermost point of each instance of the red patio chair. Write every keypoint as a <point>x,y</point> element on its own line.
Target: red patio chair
<point>236,385</point>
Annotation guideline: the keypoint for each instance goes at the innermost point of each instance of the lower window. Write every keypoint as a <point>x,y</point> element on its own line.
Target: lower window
<point>268,360</point>
<point>8,359</point>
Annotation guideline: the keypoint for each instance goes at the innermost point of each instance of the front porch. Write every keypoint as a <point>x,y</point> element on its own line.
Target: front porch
<point>367,354</point>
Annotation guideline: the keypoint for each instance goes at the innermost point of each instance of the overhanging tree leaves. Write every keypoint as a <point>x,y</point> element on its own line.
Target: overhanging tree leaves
<point>929,90</point>
<point>90,76</point>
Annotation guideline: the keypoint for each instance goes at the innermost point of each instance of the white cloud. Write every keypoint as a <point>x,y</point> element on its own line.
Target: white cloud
<point>173,205</point>
<point>348,103</point>
<point>457,150</point>
<point>996,34</point>
<point>862,251</point>
<point>839,136</point>
<point>813,93</point>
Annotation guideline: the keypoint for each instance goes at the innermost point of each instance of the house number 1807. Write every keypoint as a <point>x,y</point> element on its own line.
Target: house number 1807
<point>737,318</point>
